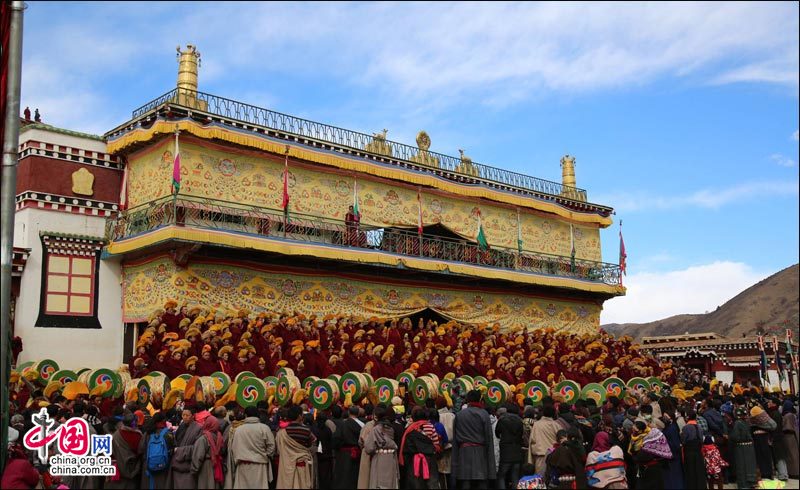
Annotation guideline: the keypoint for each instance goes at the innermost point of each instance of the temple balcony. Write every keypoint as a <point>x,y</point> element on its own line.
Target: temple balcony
<point>208,109</point>
<point>196,221</point>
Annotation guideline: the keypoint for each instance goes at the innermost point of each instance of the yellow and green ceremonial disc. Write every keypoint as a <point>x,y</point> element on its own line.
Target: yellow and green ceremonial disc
<point>244,375</point>
<point>405,377</point>
<point>308,382</point>
<point>594,391</point>
<point>284,371</point>
<point>65,376</point>
<point>444,386</point>
<point>221,382</point>
<point>423,388</point>
<point>614,387</point>
<point>480,381</point>
<point>323,393</point>
<point>250,391</point>
<point>386,389</point>
<point>497,392</point>
<point>271,382</point>
<point>285,389</point>
<point>464,384</point>
<point>535,390</point>
<point>353,383</point>
<point>45,369</point>
<point>639,384</point>
<point>107,377</point>
<point>656,385</point>
<point>569,389</point>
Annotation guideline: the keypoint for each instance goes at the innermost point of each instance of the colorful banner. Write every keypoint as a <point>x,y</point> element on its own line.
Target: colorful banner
<point>147,286</point>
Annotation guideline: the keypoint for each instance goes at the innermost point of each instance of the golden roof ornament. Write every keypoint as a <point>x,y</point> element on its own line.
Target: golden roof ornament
<point>188,64</point>
<point>466,166</point>
<point>423,156</point>
<point>379,145</point>
<point>569,188</point>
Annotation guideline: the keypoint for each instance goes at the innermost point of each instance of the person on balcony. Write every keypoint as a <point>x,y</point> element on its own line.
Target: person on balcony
<point>351,221</point>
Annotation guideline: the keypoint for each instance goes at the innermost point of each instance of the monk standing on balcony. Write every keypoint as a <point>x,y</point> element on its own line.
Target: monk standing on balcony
<point>351,221</point>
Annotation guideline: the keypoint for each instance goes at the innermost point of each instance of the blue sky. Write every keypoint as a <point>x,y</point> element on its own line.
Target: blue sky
<point>683,117</point>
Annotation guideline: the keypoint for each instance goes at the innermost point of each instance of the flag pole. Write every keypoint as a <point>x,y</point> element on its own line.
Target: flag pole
<point>285,191</point>
<point>176,174</point>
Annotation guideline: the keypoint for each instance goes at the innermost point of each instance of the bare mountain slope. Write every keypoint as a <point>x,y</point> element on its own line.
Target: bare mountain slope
<point>768,303</point>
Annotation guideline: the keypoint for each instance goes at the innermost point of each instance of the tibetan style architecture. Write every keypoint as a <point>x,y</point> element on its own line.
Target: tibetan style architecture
<point>255,214</point>
<point>729,360</point>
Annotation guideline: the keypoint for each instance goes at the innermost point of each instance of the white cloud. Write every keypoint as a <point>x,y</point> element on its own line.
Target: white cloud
<point>652,296</point>
<point>782,160</point>
<point>704,198</point>
<point>796,135</point>
<point>430,55</point>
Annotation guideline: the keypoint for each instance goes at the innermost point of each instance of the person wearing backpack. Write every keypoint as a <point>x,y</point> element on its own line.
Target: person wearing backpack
<point>156,450</point>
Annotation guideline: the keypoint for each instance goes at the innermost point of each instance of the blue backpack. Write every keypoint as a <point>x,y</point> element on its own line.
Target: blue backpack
<point>157,452</point>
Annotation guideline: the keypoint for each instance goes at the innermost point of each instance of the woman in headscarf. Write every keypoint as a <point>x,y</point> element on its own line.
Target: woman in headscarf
<point>673,473</point>
<point>207,454</point>
<point>762,425</point>
<point>694,466</point>
<point>418,450</point>
<point>381,446</point>
<point>565,465</point>
<point>790,439</point>
<point>743,451</point>
<point>649,449</point>
<point>156,426</point>
<point>605,464</point>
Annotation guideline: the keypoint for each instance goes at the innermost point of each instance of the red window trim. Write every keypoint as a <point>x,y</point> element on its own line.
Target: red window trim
<point>69,294</point>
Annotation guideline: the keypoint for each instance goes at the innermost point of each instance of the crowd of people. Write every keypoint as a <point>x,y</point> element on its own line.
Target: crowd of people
<point>201,341</point>
<point>649,442</point>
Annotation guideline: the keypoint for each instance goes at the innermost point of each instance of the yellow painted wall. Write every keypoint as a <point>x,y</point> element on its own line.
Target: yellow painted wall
<point>212,172</point>
<point>147,286</point>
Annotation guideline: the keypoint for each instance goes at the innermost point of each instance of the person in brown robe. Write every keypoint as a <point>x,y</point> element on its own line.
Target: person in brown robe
<point>125,453</point>
<point>154,425</point>
<point>789,423</point>
<point>185,437</point>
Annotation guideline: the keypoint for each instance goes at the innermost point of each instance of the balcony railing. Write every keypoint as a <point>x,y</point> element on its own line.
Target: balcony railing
<point>270,223</point>
<point>408,156</point>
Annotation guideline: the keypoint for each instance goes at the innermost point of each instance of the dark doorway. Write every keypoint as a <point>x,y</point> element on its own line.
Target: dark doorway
<point>427,314</point>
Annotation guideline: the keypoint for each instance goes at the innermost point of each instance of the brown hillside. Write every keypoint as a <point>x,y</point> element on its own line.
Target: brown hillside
<point>768,303</point>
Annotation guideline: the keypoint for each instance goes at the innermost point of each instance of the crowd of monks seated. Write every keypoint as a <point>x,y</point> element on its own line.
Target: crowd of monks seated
<point>201,341</point>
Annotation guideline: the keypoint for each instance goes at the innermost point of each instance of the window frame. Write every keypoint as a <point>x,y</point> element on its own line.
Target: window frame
<point>71,248</point>
<point>69,294</point>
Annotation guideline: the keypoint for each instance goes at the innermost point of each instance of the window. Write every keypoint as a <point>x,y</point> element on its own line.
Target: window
<point>69,287</point>
<point>69,291</point>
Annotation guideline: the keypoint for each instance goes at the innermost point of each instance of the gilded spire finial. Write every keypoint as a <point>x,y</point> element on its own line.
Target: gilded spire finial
<point>188,64</point>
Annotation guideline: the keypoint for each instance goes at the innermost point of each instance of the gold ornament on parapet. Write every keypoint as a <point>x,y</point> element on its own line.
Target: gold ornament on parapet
<point>424,157</point>
<point>379,145</point>
<point>466,166</point>
<point>83,182</point>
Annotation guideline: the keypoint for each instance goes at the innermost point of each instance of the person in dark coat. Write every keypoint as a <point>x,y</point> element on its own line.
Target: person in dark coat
<point>649,465</point>
<point>473,445</point>
<point>673,474</point>
<point>322,431</point>
<point>510,431</point>
<point>762,426</point>
<point>125,453</point>
<point>157,424</point>
<point>565,465</point>
<point>694,466</point>
<point>348,453</point>
<point>779,449</point>
<point>743,451</point>
<point>418,449</point>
